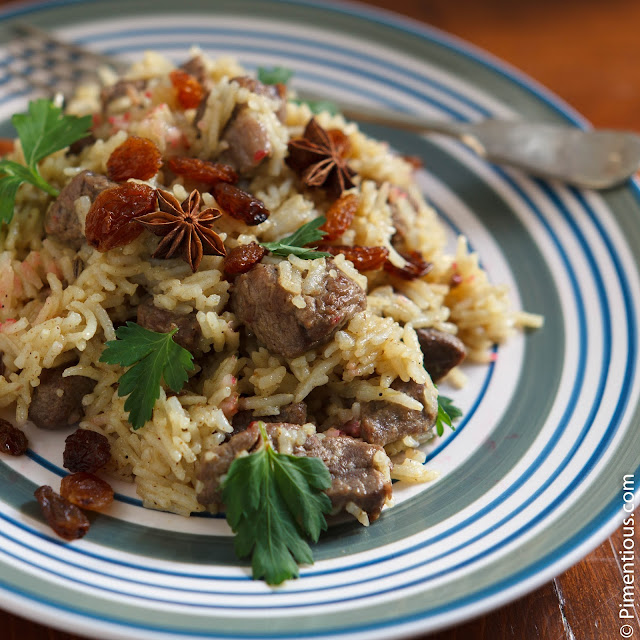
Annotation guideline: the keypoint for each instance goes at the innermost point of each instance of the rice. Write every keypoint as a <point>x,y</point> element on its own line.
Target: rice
<point>59,305</point>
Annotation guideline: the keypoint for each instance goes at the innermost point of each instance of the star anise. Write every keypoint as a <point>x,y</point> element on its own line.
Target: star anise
<point>185,228</point>
<point>318,158</point>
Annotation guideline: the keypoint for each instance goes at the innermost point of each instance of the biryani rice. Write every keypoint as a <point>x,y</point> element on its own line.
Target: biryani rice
<point>59,305</point>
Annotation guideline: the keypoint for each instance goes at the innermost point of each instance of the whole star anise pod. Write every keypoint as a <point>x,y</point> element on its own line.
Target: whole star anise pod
<point>318,158</point>
<point>185,228</point>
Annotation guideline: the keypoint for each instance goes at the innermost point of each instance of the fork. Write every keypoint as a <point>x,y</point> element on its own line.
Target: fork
<point>594,159</point>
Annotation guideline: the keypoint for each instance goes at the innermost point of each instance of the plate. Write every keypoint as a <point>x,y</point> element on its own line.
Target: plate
<point>532,478</point>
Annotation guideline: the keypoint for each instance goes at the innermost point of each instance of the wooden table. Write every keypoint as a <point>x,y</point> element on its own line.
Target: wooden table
<point>587,52</point>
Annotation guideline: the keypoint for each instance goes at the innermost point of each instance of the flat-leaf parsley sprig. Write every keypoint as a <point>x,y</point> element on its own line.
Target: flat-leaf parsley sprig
<point>447,413</point>
<point>295,244</point>
<point>153,357</point>
<point>273,501</point>
<point>43,130</point>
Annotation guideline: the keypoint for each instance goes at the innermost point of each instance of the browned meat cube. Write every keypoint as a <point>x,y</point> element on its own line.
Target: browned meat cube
<point>357,472</point>
<point>266,308</point>
<point>382,422</point>
<point>442,351</point>
<point>196,67</point>
<point>217,462</point>
<point>162,320</point>
<point>57,402</point>
<point>61,220</point>
<point>294,413</point>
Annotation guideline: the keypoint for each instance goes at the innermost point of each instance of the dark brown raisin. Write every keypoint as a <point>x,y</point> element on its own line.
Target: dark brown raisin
<point>87,491</point>
<point>62,516</point>
<point>339,216</point>
<point>202,170</point>
<point>86,450</point>
<point>136,157</point>
<point>12,440</point>
<point>243,258</point>
<point>189,90</point>
<point>416,266</point>
<point>111,219</point>
<point>239,204</point>
<point>363,258</point>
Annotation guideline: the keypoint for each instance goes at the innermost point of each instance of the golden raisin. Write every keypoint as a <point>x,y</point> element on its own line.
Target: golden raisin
<point>243,258</point>
<point>189,90</point>
<point>202,170</point>
<point>86,450</point>
<point>111,219</point>
<point>87,491</point>
<point>239,204</point>
<point>136,157</point>
<point>363,258</point>
<point>416,266</point>
<point>62,516</point>
<point>339,216</point>
<point>12,440</point>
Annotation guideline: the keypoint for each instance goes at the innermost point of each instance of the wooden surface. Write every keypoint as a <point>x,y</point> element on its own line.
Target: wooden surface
<point>587,52</point>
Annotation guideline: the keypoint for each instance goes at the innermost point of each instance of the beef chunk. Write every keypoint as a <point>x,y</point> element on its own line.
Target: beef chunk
<point>382,422</point>
<point>217,462</point>
<point>61,220</point>
<point>248,141</point>
<point>245,134</point>
<point>442,351</point>
<point>57,401</point>
<point>294,413</point>
<point>196,67</point>
<point>356,474</point>
<point>162,320</point>
<point>266,308</point>
<point>132,89</point>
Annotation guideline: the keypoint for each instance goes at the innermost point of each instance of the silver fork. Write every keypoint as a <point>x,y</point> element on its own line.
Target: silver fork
<point>595,159</point>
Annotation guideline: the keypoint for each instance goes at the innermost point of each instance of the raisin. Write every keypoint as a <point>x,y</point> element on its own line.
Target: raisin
<point>189,90</point>
<point>62,516</point>
<point>12,440</point>
<point>339,216</point>
<point>111,219</point>
<point>363,258</point>
<point>416,266</point>
<point>87,491</point>
<point>6,146</point>
<point>239,204</point>
<point>243,258</point>
<point>202,170</point>
<point>86,450</point>
<point>136,157</point>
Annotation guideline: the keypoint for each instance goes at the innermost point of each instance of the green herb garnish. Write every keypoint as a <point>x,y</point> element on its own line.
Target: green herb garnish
<point>295,244</point>
<point>274,75</point>
<point>43,130</point>
<point>153,357</point>
<point>447,412</point>
<point>273,501</point>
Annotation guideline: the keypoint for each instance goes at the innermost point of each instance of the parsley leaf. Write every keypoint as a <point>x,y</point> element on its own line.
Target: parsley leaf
<point>447,412</point>
<point>273,500</point>
<point>42,131</point>
<point>295,243</point>
<point>318,106</point>
<point>152,357</point>
<point>274,75</point>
